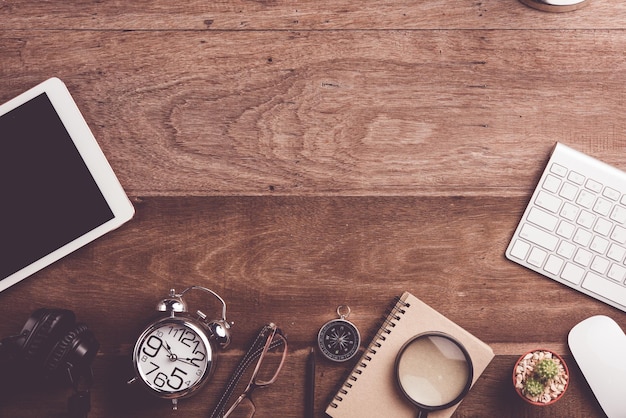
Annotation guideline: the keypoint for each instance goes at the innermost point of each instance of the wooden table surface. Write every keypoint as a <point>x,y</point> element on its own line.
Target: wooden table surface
<point>296,156</point>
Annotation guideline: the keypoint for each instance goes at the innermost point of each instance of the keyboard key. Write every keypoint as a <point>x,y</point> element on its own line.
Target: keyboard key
<point>520,249</point>
<point>593,185</point>
<point>617,273</point>
<point>537,257</point>
<point>583,257</point>
<point>539,237</point>
<point>572,273</point>
<point>586,199</point>
<point>568,191</point>
<point>604,287</point>
<point>616,252</point>
<point>565,229</point>
<point>619,235</point>
<point>582,237</point>
<point>542,219</point>
<point>548,201</point>
<point>619,214</point>
<point>553,265</point>
<point>602,206</point>
<point>586,219</point>
<point>566,249</point>
<point>603,227</point>
<point>599,264</point>
<point>569,211</point>
<point>559,170</point>
<point>576,178</point>
<point>599,244</point>
<point>551,183</point>
<point>611,193</point>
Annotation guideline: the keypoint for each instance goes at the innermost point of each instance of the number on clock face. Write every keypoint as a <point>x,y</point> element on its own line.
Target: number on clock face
<point>172,357</point>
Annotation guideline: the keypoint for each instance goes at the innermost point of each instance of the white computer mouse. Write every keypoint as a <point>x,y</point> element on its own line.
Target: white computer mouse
<point>555,5</point>
<point>598,345</point>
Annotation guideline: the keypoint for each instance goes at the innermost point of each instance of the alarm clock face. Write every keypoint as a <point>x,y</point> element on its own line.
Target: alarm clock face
<point>338,340</point>
<point>173,357</point>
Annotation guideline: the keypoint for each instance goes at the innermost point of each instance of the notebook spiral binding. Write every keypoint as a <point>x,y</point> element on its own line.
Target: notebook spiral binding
<point>393,315</point>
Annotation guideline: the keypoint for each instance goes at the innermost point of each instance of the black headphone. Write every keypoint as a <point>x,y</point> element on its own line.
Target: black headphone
<point>53,346</point>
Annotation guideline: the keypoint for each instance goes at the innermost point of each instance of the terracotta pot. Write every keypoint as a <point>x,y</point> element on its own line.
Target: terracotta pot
<point>519,391</point>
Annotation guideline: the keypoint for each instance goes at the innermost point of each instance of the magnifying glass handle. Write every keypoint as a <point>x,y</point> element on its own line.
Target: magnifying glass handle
<point>422,413</point>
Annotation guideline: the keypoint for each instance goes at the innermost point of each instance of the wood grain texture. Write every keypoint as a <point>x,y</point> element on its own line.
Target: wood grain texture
<point>294,156</point>
<point>302,15</point>
<point>292,260</point>
<point>334,112</point>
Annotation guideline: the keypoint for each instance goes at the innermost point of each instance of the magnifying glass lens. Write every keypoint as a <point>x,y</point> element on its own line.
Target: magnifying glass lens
<point>434,371</point>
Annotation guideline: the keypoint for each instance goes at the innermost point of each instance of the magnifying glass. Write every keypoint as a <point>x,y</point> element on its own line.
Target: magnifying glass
<point>434,371</point>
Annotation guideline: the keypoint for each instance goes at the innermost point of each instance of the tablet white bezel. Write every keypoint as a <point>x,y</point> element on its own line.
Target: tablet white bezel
<point>94,159</point>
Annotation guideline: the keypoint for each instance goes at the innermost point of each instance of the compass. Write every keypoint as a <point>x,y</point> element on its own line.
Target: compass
<point>339,340</point>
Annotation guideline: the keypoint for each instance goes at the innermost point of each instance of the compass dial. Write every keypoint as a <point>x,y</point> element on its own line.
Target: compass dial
<point>339,340</point>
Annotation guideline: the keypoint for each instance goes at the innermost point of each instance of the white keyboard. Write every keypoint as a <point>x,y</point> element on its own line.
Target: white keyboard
<point>574,228</point>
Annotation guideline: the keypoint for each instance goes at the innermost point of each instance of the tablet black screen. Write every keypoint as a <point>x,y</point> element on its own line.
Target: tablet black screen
<point>49,198</point>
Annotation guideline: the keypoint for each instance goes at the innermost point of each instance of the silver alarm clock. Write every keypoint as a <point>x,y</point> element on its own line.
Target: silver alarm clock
<point>174,355</point>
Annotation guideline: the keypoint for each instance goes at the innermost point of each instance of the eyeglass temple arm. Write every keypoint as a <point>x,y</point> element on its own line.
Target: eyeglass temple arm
<point>273,344</point>
<point>253,353</point>
<point>254,383</point>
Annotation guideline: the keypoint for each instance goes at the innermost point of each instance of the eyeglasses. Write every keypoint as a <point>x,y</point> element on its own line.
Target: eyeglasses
<point>270,348</point>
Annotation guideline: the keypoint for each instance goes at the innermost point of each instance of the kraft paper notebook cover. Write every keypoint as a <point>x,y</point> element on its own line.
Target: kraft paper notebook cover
<point>371,387</point>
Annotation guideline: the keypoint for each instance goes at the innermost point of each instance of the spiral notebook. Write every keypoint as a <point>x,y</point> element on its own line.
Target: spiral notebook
<point>371,385</point>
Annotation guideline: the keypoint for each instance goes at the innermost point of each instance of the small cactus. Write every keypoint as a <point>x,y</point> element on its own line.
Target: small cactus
<point>540,376</point>
<point>533,387</point>
<point>546,369</point>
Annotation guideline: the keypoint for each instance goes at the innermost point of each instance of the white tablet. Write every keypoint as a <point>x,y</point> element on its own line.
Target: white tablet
<point>58,192</point>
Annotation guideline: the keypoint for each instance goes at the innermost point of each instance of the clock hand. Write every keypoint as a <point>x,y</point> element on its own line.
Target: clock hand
<point>185,360</point>
<point>171,355</point>
<point>174,357</point>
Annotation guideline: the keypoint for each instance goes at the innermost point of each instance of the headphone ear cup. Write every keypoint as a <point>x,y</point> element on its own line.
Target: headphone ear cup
<point>42,330</point>
<point>76,349</point>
